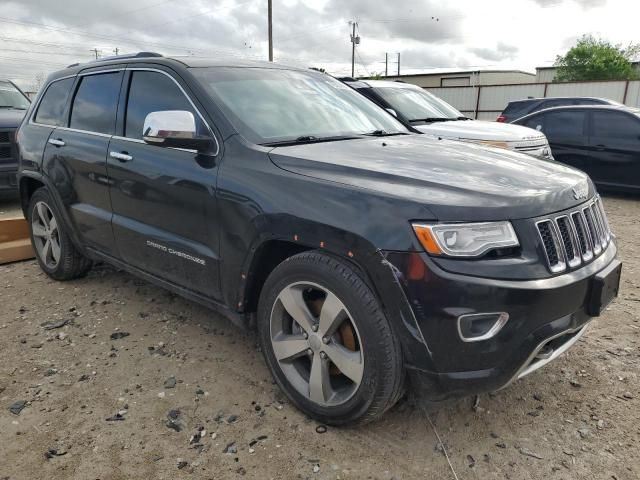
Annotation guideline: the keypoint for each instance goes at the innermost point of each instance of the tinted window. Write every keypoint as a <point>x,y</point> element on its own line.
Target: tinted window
<point>153,92</point>
<point>53,102</point>
<point>564,124</point>
<point>96,102</point>
<point>616,125</point>
<point>535,122</point>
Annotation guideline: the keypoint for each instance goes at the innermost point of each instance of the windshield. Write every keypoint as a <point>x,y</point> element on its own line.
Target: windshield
<point>417,104</point>
<point>11,97</point>
<point>275,105</point>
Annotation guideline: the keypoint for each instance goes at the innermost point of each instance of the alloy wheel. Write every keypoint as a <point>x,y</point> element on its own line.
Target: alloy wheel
<point>46,236</point>
<point>316,343</point>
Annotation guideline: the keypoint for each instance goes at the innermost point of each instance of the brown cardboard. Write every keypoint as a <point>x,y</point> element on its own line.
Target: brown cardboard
<point>15,243</point>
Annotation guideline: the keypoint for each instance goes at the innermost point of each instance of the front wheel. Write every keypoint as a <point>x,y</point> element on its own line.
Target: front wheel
<point>327,341</point>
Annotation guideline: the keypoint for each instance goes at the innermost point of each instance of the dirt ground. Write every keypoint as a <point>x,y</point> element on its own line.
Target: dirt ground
<point>107,408</point>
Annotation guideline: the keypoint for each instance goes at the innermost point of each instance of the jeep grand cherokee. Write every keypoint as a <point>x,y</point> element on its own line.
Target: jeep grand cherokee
<point>287,201</point>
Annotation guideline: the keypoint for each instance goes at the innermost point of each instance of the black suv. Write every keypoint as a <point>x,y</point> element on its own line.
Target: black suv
<point>603,141</point>
<point>520,108</point>
<point>287,201</point>
<point>13,105</point>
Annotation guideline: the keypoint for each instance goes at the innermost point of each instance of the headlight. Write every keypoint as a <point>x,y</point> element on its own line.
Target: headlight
<point>465,239</point>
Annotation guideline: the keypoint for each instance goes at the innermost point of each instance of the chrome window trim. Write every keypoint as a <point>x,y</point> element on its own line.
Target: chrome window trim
<point>88,132</point>
<point>193,105</point>
<point>137,140</point>
<point>32,116</point>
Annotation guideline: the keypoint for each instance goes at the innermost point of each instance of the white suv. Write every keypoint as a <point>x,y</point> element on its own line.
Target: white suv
<point>423,111</point>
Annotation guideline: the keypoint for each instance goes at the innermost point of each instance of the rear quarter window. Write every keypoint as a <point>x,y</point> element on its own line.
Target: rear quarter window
<point>51,108</point>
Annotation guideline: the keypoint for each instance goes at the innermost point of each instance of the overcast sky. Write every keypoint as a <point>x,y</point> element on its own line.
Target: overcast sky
<point>39,36</point>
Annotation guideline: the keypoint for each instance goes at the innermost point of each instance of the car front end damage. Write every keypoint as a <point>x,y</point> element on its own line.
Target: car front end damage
<point>481,329</point>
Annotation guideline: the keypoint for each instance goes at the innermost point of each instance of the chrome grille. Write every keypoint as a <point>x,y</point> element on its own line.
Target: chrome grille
<point>6,141</point>
<point>576,237</point>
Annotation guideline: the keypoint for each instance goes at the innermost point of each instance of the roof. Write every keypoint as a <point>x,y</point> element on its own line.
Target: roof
<point>382,84</point>
<point>586,107</point>
<point>453,71</point>
<point>186,61</point>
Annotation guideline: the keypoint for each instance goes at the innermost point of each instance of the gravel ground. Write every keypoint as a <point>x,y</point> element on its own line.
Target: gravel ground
<point>139,383</point>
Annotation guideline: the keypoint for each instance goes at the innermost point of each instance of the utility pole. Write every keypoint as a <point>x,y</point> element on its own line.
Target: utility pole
<point>398,63</point>
<point>354,41</point>
<point>116,50</point>
<point>386,64</point>
<point>95,51</point>
<point>270,15</point>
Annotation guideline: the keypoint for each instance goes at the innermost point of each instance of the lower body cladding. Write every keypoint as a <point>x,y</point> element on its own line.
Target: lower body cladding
<point>478,335</point>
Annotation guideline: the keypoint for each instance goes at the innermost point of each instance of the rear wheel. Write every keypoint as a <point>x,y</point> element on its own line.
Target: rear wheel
<point>54,250</point>
<point>327,341</point>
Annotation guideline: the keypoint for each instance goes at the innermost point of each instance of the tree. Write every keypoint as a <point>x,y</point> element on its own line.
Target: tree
<point>596,59</point>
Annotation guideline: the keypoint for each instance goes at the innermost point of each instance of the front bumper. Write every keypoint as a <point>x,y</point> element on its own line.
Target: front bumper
<point>8,178</point>
<point>546,317</point>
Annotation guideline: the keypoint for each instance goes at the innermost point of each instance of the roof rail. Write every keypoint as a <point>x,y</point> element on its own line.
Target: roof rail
<point>122,57</point>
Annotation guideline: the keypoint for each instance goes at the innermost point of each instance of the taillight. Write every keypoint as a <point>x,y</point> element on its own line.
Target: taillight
<point>501,119</point>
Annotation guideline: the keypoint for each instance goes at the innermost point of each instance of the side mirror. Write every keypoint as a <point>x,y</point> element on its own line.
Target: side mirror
<point>173,128</point>
<point>392,112</point>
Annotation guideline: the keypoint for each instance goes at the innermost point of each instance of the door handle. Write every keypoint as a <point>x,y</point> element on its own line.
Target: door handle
<point>601,148</point>
<point>57,142</point>
<point>123,157</point>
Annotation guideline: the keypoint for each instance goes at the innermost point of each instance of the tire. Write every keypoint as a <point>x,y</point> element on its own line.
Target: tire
<point>60,260</point>
<point>356,351</point>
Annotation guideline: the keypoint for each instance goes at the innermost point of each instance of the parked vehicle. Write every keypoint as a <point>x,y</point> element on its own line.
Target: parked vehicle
<point>285,200</point>
<point>603,141</point>
<point>13,105</point>
<point>520,108</point>
<point>421,110</point>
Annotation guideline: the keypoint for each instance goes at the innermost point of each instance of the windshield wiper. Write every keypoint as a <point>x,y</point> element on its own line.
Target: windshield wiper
<point>384,133</point>
<point>432,119</point>
<point>308,139</point>
<point>11,106</point>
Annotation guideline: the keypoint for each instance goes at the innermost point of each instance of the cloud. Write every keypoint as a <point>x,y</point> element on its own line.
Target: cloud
<point>502,51</point>
<point>582,3</point>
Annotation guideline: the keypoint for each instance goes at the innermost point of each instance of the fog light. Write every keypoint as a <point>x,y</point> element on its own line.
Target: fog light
<point>476,327</point>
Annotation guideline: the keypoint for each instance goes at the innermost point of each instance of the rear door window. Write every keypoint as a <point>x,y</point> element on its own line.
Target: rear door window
<point>564,124</point>
<point>616,125</point>
<point>96,102</point>
<point>53,103</point>
<point>154,92</point>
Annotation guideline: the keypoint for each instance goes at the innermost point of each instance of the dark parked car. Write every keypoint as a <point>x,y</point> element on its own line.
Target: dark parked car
<point>288,202</point>
<point>520,108</point>
<point>603,141</point>
<point>13,105</point>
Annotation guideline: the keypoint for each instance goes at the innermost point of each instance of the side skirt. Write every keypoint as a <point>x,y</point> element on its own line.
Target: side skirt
<point>237,319</point>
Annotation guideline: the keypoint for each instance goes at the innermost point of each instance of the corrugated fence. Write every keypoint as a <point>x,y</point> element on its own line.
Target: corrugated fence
<point>487,102</point>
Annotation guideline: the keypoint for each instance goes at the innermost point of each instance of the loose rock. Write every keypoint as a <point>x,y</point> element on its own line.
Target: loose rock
<point>17,407</point>
<point>119,335</point>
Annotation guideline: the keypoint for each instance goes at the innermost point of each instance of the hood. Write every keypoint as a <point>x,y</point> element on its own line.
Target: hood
<point>455,180</point>
<point>479,130</point>
<point>11,117</point>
